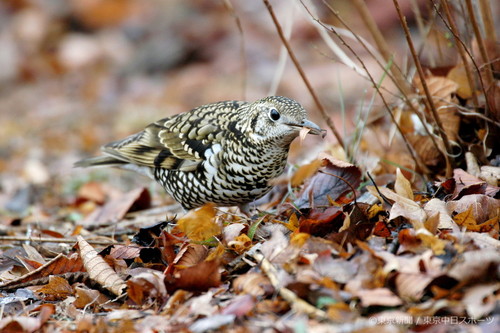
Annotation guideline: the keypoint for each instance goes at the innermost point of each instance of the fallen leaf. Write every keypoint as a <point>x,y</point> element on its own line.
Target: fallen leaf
<point>402,185</point>
<point>378,296</point>
<point>482,207</point>
<point>99,270</point>
<point>254,284</point>
<point>332,180</point>
<point>57,289</point>
<point>304,172</point>
<point>146,286</point>
<point>116,209</point>
<point>199,224</point>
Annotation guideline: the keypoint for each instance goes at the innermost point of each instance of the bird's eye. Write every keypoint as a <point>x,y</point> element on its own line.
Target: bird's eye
<point>274,114</point>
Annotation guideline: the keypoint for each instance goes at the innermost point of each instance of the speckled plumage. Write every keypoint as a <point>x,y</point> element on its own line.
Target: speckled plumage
<point>223,152</point>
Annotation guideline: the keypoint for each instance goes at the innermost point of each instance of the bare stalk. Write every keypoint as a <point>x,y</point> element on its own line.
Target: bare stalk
<point>428,95</point>
<point>322,110</point>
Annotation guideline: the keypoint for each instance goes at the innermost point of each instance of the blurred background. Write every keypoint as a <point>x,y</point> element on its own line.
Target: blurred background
<point>76,74</point>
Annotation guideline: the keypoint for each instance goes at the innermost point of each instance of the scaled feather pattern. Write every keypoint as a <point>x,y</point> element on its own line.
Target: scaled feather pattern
<point>224,153</point>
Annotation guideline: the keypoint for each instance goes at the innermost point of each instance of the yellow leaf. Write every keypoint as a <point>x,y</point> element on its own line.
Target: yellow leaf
<point>299,239</point>
<point>241,244</point>
<point>304,172</point>
<point>216,253</point>
<point>466,219</point>
<point>199,225</point>
<point>432,241</point>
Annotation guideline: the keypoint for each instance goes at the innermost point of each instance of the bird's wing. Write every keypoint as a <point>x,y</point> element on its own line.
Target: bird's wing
<point>180,142</point>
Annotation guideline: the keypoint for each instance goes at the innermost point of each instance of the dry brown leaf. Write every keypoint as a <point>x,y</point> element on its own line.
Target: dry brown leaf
<point>190,255</point>
<point>87,297</point>
<point>231,231</point>
<point>426,149</point>
<point>402,185</point>
<point>241,244</point>
<point>469,184</point>
<point>57,289</point>
<point>240,306</point>
<point>339,270</point>
<point>25,323</point>
<point>404,207</point>
<point>99,270</point>
<point>333,179</point>
<point>92,191</point>
<point>436,206</point>
<point>199,224</point>
<point>254,284</point>
<point>115,209</point>
<point>146,286</point>
<point>200,277</point>
<point>474,265</point>
<point>483,207</point>
<point>441,89</point>
<point>411,286</point>
<point>59,265</point>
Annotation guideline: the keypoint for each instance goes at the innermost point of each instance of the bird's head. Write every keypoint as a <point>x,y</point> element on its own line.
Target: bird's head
<point>278,120</point>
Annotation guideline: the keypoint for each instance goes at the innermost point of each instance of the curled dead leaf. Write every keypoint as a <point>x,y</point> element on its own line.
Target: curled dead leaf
<point>99,270</point>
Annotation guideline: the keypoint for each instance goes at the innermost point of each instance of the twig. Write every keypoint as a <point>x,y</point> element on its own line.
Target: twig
<point>428,95</point>
<point>297,303</point>
<point>322,110</point>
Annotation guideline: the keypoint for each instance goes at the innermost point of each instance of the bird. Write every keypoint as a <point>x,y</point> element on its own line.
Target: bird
<point>225,153</point>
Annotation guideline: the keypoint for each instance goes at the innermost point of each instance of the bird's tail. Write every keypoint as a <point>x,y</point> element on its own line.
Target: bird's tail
<point>104,160</point>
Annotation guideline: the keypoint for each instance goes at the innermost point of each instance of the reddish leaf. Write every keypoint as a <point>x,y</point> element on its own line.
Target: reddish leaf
<point>332,180</point>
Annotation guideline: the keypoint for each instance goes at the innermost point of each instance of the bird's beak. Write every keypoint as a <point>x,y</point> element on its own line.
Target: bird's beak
<point>313,128</point>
